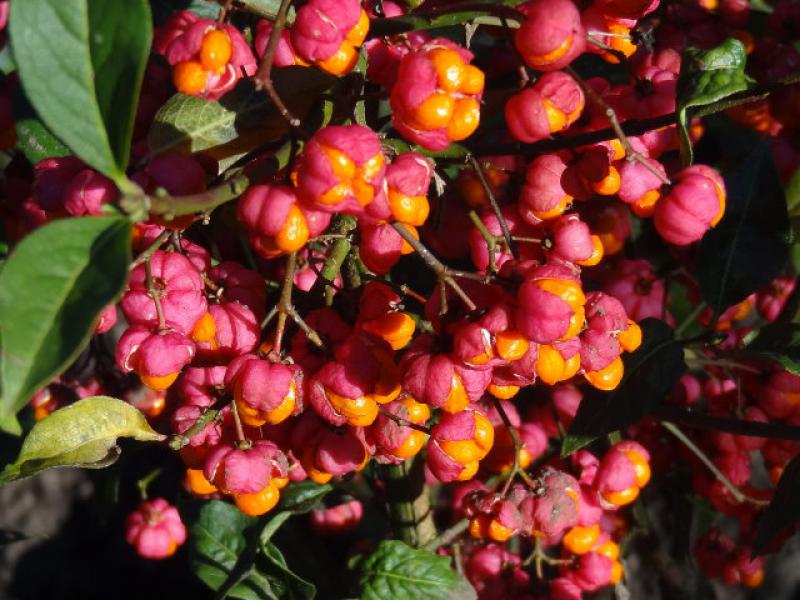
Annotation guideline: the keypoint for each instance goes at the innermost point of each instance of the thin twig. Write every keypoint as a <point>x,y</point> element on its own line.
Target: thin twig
<point>491,240</point>
<point>263,76</point>
<point>738,495</point>
<point>620,56</point>
<point>447,536</point>
<point>611,115</point>
<point>775,431</point>
<point>237,422</point>
<point>404,422</point>
<point>150,250</point>
<point>444,273</point>
<point>284,303</point>
<point>179,440</point>
<point>515,468</point>
<point>495,207</point>
<point>154,294</point>
<point>312,335</point>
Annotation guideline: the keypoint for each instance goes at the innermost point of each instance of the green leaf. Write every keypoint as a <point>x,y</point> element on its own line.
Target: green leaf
<point>239,121</point>
<point>52,288</point>
<point>83,434</point>
<point>405,23</point>
<point>396,570</point>
<point>302,496</point>
<point>453,151</point>
<point>650,373</point>
<point>164,9</point>
<point>706,77</point>
<point>783,509</point>
<point>218,537</point>
<point>750,246</point>
<point>779,342</point>
<point>7,63</point>
<point>793,195</point>
<point>285,582</point>
<point>34,139</point>
<point>296,498</point>
<point>81,64</point>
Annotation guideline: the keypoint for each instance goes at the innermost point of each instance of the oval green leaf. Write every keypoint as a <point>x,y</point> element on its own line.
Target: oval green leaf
<point>52,288</point>
<point>81,64</point>
<point>302,496</point>
<point>83,434</point>
<point>396,570</point>
<point>238,122</point>
<point>218,539</point>
<point>708,76</point>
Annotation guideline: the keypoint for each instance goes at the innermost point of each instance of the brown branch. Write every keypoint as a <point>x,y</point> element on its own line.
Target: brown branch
<point>443,273</point>
<point>263,76</point>
<point>404,422</point>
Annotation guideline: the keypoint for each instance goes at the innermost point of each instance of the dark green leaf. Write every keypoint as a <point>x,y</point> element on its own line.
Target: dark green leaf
<point>403,24</point>
<point>452,151</point>
<point>779,342</point>
<point>706,77</point>
<point>164,9</point>
<point>650,373</point>
<point>750,246</point>
<point>52,288</point>
<point>302,496</point>
<point>793,195</point>
<point>218,538</point>
<point>285,582</point>
<point>81,64</point>
<point>240,120</point>
<point>783,510</point>
<point>34,139</point>
<point>83,434</point>
<point>396,570</point>
<point>7,64</point>
<point>296,498</point>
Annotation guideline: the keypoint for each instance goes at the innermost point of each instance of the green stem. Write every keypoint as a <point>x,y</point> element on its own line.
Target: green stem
<point>169,207</point>
<point>410,511</point>
<point>690,318</point>
<point>145,481</point>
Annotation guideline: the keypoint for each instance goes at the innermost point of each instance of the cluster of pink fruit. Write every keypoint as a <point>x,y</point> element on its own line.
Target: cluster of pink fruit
<point>352,365</point>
